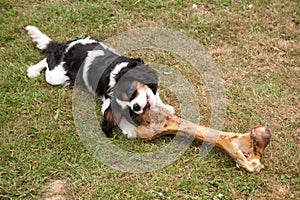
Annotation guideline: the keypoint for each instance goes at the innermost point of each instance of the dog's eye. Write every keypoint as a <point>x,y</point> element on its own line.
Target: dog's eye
<point>132,94</point>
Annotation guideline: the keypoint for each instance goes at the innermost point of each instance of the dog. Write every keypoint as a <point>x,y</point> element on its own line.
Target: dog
<point>126,85</point>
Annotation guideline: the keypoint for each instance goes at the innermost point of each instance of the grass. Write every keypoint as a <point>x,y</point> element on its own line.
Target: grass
<point>255,46</point>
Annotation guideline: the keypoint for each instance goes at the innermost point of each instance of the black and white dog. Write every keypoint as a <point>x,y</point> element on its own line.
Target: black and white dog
<point>125,85</point>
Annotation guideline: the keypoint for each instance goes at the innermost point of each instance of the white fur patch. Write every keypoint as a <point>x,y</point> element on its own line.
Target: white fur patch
<point>151,97</point>
<point>88,62</point>
<point>57,76</point>
<point>116,70</point>
<point>84,41</point>
<point>107,47</point>
<point>105,105</point>
<point>37,36</point>
<point>123,104</point>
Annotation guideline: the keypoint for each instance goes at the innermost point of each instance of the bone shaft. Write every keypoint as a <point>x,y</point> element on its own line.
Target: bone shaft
<point>202,133</point>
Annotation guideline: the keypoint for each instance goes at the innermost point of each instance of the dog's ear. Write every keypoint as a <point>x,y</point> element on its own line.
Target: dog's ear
<point>108,122</point>
<point>111,118</point>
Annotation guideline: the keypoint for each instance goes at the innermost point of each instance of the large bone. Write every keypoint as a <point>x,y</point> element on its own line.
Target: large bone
<point>246,149</point>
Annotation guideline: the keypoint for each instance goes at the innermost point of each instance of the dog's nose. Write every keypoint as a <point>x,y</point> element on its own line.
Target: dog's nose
<point>136,107</point>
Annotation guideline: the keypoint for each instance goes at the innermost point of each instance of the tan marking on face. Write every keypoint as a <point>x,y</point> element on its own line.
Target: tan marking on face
<point>134,84</point>
<point>125,96</point>
<point>140,87</point>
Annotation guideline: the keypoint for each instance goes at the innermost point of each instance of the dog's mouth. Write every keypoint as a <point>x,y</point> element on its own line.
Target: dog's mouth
<point>148,102</point>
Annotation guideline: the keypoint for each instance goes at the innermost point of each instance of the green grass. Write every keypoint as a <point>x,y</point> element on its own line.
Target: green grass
<point>255,49</point>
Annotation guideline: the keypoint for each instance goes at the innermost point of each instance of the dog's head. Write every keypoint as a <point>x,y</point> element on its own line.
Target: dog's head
<point>137,96</point>
<point>136,88</point>
<point>134,91</point>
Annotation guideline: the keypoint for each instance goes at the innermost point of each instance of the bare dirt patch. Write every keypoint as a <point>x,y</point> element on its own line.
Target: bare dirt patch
<point>56,190</point>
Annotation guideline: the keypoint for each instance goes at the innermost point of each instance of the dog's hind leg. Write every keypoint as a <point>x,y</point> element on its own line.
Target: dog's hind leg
<point>35,70</point>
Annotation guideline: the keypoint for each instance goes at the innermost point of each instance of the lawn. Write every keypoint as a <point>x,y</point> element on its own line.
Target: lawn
<point>255,48</point>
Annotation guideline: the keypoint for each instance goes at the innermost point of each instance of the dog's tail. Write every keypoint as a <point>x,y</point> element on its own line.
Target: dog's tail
<point>37,36</point>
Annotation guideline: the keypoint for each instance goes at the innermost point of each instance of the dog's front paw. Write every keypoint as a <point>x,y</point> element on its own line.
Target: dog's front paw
<point>170,109</point>
<point>131,132</point>
<point>32,72</point>
<point>132,135</point>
